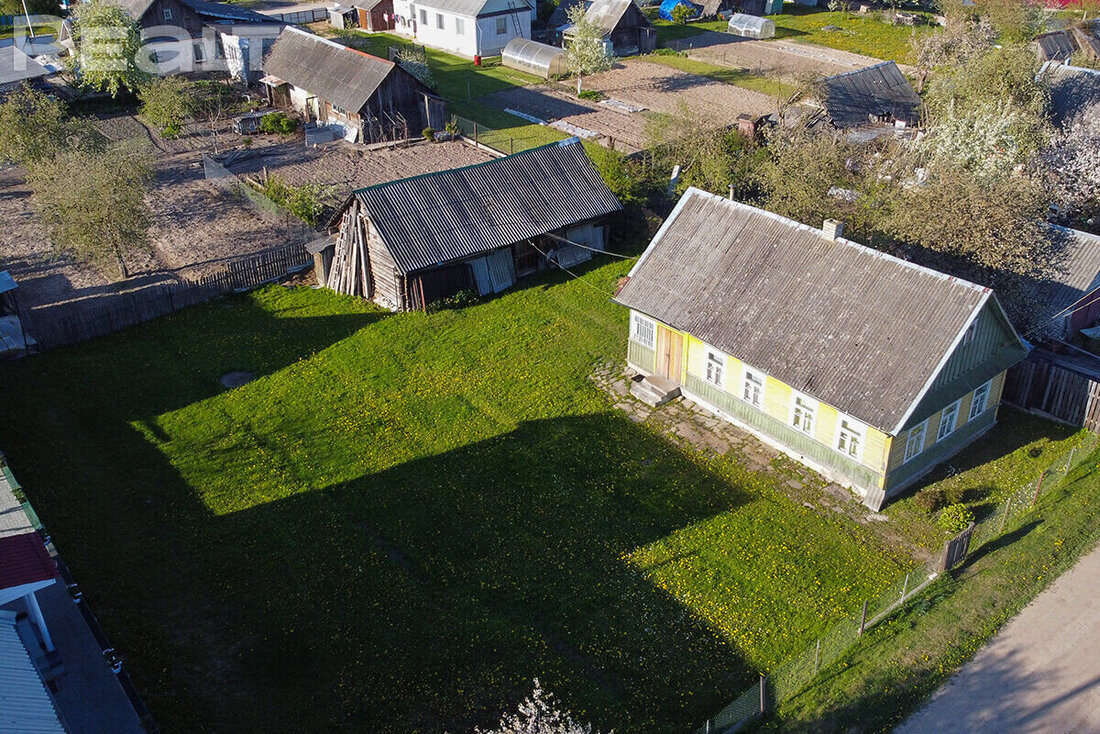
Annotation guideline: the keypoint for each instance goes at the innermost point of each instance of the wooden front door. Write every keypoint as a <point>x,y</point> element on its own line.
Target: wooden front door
<point>670,351</point>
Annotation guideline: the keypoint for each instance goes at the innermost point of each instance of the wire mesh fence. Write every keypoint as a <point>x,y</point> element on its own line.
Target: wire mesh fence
<point>504,142</point>
<point>792,676</point>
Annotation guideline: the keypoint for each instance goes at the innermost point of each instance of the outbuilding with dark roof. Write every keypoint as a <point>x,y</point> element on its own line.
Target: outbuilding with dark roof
<point>368,98</point>
<point>873,96</point>
<point>863,366</point>
<point>1073,89</point>
<point>408,243</point>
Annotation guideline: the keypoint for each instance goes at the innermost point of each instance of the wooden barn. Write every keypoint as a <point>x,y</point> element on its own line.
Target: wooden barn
<point>867,368</point>
<point>876,96</point>
<point>372,16</point>
<point>624,25</point>
<point>406,244</point>
<point>369,99</point>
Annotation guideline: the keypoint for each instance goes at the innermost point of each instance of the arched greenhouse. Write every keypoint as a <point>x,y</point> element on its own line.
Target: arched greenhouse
<point>534,58</point>
<point>750,26</point>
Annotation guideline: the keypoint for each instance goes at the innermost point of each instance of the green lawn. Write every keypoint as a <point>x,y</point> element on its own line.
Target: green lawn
<point>406,518</point>
<point>867,35</point>
<point>901,662</point>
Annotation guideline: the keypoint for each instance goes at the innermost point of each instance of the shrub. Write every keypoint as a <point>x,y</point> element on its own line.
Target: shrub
<point>305,202</point>
<point>429,134</point>
<point>462,299</point>
<point>681,13</point>
<point>955,518</point>
<point>278,122</point>
<point>930,499</point>
<point>591,94</point>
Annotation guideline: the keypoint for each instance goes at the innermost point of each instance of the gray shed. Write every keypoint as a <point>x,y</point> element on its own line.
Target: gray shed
<point>535,58</point>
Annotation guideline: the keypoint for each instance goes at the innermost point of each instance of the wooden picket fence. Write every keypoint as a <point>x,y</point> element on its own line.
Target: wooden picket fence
<point>59,325</point>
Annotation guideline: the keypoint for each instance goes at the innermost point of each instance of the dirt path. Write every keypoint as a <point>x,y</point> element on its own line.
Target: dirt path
<point>1041,673</point>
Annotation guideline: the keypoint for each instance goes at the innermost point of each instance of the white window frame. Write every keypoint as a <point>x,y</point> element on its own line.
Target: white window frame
<point>637,319</point>
<point>758,380</point>
<point>439,24</point>
<point>423,17</point>
<point>502,25</point>
<point>460,27</point>
<point>953,410</point>
<point>848,428</point>
<point>920,429</point>
<point>984,391</point>
<point>167,15</point>
<point>809,408</point>
<point>714,367</point>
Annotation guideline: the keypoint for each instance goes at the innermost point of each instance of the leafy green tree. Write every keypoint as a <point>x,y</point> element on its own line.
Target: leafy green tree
<point>1016,21</point>
<point>168,102</point>
<point>681,13</point>
<point>93,203</point>
<point>36,126</point>
<point>802,169</point>
<point>585,52</point>
<point>108,42</point>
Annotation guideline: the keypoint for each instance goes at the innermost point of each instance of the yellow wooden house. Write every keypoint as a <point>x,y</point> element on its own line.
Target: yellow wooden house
<point>867,368</point>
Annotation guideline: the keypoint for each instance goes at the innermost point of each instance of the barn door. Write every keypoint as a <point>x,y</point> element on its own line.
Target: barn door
<point>435,111</point>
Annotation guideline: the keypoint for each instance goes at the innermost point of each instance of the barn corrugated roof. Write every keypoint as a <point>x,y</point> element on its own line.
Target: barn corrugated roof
<point>341,75</point>
<point>853,327</point>
<point>1055,46</point>
<point>1078,274</point>
<point>1072,89</point>
<point>855,98</point>
<point>607,14</point>
<point>25,704</point>
<point>475,8</point>
<point>438,217</point>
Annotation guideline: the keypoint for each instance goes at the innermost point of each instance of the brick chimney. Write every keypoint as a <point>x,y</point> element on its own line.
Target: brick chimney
<point>832,229</point>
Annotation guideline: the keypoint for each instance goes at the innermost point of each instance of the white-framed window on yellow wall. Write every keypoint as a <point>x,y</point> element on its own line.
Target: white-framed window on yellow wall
<point>715,368</point>
<point>948,420</point>
<point>643,331</point>
<point>803,413</point>
<point>914,442</point>
<point>849,437</point>
<point>752,389</point>
<point>980,401</point>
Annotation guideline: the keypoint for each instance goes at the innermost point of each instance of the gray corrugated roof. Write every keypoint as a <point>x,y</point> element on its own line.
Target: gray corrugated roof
<point>16,66</point>
<point>224,11</point>
<point>1072,89</point>
<point>136,8</point>
<point>607,13</point>
<point>341,75</point>
<point>1078,274</point>
<point>853,98</point>
<point>474,8</point>
<point>438,217</point>
<point>1055,45</point>
<point>25,705</point>
<point>853,327</point>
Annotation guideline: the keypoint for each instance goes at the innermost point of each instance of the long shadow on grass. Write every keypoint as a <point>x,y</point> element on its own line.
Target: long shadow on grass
<point>427,597</point>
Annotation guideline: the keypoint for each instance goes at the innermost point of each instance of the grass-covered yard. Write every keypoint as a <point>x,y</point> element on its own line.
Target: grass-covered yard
<point>861,34</point>
<point>407,518</point>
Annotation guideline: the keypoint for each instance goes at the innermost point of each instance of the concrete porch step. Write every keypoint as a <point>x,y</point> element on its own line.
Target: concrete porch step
<point>654,390</point>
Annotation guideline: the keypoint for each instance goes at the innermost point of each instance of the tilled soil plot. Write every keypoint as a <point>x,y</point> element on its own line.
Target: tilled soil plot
<point>784,59</point>
<point>345,167</point>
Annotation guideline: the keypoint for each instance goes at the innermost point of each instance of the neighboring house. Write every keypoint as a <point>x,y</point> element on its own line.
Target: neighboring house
<point>371,16</point>
<point>409,243</point>
<point>17,68</point>
<point>867,368</point>
<point>195,35</point>
<point>1072,89</point>
<point>369,99</point>
<point>1071,296</point>
<point>464,27</point>
<point>871,99</point>
<point>625,27</point>
<point>1054,46</point>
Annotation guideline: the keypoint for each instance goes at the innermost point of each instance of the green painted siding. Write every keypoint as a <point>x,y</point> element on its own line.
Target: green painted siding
<point>993,350</point>
<point>934,453</point>
<point>856,473</point>
<point>640,356</point>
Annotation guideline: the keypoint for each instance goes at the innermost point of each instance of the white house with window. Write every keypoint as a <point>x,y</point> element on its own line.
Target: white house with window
<point>867,368</point>
<point>464,27</point>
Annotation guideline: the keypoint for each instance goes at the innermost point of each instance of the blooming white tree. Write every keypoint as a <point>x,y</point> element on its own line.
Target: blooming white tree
<point>985,141</point>
<point>1071,166</point>
<point>585,53</point>
<point>538,715</point>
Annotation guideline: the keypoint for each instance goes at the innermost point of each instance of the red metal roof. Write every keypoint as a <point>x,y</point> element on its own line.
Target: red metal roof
<point>24,560</point>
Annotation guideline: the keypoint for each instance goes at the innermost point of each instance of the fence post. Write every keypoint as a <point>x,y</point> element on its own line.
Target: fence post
<point>475,135</point>
<point>763,698</point>
<point>863,620</point>
<point>1069,462</point>
<point>817,656</point>
<point>511,146</point>
<point>1038,486</point>
<point>708,726</point>
<point>904,587</point>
